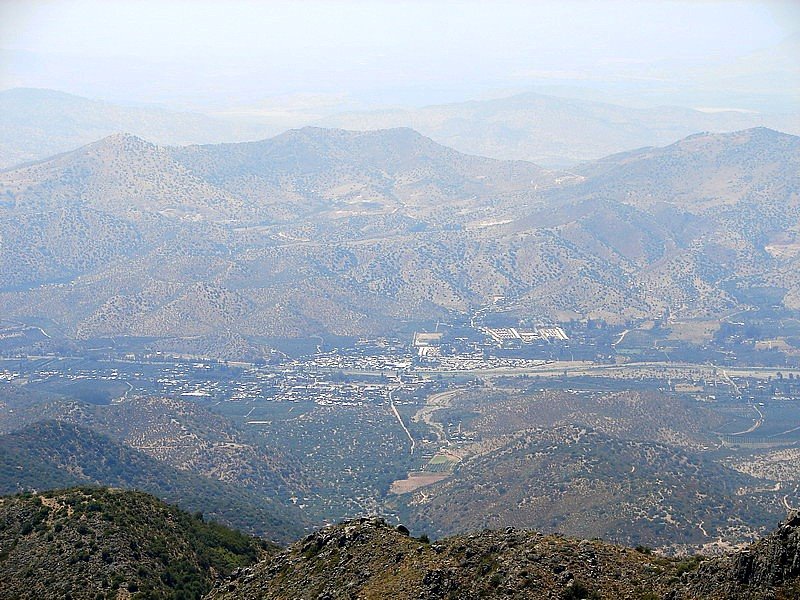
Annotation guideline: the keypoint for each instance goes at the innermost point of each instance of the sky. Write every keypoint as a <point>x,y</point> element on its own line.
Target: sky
<point>245,53</point>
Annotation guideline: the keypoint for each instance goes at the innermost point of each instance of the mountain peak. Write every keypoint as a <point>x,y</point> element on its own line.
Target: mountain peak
<point>766,132</point>
<point>116,144</point>
<point>741,135</point>
<point>123,139</point>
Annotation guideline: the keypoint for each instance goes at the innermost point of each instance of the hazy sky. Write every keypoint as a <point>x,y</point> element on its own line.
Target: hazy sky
<point>238,52</point>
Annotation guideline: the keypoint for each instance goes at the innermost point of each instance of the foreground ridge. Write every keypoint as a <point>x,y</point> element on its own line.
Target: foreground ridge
<point>110,543</point>
<point>368,558</point>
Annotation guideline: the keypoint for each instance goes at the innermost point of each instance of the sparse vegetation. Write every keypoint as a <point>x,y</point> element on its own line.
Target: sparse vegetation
<point>91,542</point>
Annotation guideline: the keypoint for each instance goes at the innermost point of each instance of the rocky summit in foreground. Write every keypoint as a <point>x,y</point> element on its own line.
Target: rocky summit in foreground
<point>106,543</point>
<point>370,559</point>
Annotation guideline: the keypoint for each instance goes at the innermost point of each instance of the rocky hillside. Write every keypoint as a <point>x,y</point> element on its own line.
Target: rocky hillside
<point>369,559</point>
<point>769,568</point>
<point>105,543</point>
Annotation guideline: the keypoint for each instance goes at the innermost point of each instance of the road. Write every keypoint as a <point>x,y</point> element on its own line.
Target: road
<point>780,433</point>
<point>400,419</point>
<point>125,395</point>
<point>578,368</point>
<point>731,383</point>
<point>700,526</point>
<point>573,368</point>
<point>757,423</point>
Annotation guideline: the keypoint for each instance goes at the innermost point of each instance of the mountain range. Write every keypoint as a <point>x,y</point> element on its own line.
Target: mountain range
<point>547,129</point>
<point>37,123</point>
<point>216,249</point>
<point>631,467</point>
<point>555,131</point>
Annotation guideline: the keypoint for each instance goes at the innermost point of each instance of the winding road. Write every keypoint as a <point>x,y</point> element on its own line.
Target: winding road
<point>433,403</point>
<point>758,422</point>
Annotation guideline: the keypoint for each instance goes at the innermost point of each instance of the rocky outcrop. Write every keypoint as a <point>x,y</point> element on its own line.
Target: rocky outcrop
<point>94,542</point>
<point>769,568</point>
<point>368,558</point>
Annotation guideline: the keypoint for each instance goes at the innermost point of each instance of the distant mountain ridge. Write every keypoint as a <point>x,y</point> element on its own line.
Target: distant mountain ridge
<point>37,123</point>
<point>554,131</point>
<point>550,130</point>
